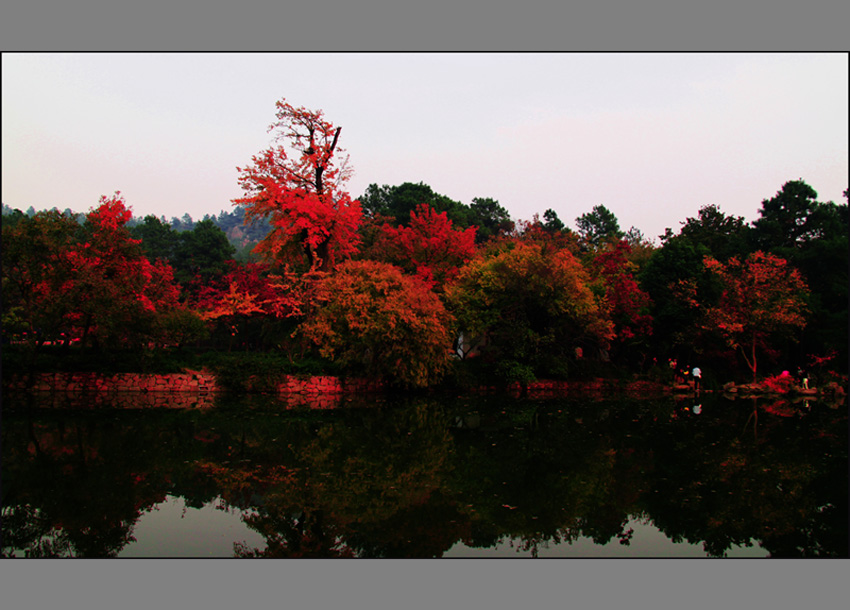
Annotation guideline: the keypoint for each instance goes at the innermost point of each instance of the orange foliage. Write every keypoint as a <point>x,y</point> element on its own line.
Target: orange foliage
<point>369,314</point>
<point>762,296</point>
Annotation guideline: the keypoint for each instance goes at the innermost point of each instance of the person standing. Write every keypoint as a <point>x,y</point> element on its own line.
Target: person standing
<point>697,375</point>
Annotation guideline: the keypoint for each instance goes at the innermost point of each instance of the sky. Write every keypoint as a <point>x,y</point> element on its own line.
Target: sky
<point>652,137</point>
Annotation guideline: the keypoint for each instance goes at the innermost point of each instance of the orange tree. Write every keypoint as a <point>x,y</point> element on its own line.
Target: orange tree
<point>531,308</point>
<point>762,298</point>
<point>370,317</point>
<point>312,217</point>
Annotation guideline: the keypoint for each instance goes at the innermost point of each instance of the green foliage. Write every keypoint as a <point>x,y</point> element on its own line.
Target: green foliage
<point>813,237</point>
<point>674,320</point>
<point>532,307</point>
<point>202,253</point>
<point>553,223</point>
<point>180,326</point>
<point>159,241</point>
<point>490,218</point>
<point>399,201</point>
<point>722,236</point>
<point>511,370</point>
<point>598,225</point>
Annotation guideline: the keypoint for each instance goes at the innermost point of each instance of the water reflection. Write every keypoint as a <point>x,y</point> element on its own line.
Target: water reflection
<point>426,477</point>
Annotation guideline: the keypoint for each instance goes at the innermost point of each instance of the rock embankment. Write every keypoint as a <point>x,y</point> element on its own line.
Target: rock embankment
<point>192,384</point>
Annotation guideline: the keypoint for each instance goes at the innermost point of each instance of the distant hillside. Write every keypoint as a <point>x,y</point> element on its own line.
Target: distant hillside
<point>232,223</point>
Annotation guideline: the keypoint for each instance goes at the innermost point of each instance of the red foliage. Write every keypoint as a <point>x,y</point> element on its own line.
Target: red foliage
<point>115,289</point>
<point>430,247</point>
<point>762,296</point>
<point>781,384</point>
<point>302,196</point>
<point>250,289</point>
<point>628,304</point>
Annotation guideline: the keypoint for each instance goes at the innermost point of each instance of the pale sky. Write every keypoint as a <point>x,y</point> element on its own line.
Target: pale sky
<point>652,137</point>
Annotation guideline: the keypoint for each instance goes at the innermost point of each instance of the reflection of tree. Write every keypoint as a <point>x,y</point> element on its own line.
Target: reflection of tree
<point>392,481</point>
<point>722,487</point>
<point>543,478</point>
<point>346,480</point>
<point>63,496</point>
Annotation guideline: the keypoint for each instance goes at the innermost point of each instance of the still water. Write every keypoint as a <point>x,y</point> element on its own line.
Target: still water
<point>425,476</point>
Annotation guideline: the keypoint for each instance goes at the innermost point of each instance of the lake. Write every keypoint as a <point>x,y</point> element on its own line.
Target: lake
<point>421,476</point>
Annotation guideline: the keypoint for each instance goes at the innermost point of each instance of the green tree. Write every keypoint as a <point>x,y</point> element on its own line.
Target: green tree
<point>674,320</point>
<point>202,253</point>
<point>813,237</point>
<point>723,236</point>
<point>531,307</point>
<point>399,201</point>
<point>598,225</point>
<point>490,218</point>
<point>553,223</point>
<point>790,218</point>
<point>159,241</point>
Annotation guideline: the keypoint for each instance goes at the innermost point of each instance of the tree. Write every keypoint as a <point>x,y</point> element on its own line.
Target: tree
<point>598,225</point>
<point>640,248</point>
<point>250,293</point>
<point>628,305</point>
<point>202,253</point>
<point>762,297</point>
<point>37,276</point>
<point>302,196</point>
<point>429,246</point>
<point>553,223</point>
<point>722,236</point>
<point>491,218</point>
<point>813,237</point>
<point>158,239</point>
<point>117,292</point>
<point>789,218</point>
<point>370,317</point>
<point>533,307</point>
<point>399,201</point>
<point>678,262</point>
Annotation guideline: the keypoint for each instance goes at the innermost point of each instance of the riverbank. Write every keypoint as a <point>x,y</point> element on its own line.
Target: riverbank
<point>203,384</point>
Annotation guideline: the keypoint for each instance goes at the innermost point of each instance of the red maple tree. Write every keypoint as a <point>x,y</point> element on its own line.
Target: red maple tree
<point>303,197</point>
<point>762,297</point>
<point>430,247</point>
<point>116,293</point>
<point>250,289</point>
<point>628,304</point>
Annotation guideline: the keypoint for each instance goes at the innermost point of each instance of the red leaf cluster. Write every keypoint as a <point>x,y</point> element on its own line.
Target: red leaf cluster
<point>430,247</point>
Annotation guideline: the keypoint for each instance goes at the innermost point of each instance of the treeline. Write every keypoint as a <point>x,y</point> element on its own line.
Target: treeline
<point>242,237</point>
<point>531,299</point>
<point>410,285</point>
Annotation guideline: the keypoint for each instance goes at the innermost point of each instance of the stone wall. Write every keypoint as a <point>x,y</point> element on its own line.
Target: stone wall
<point>545,387</point>
<point>200,383</point>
